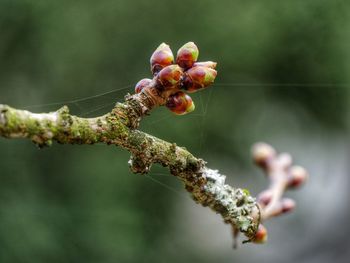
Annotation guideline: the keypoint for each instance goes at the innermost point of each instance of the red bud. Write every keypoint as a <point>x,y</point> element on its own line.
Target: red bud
<point>187,55</point>
<point>297,176</point>
<point>161,57</point>
<point>197,78</point>
<point>264,198</point>
<point>170,76</point>
<point>141,84</point>
<point>288,205</point>
<point>262,153</point>
<point>180,103</point>
<point>260,235</point>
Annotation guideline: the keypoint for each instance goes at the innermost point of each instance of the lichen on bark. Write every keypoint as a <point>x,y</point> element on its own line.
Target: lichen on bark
<point>206,186</point>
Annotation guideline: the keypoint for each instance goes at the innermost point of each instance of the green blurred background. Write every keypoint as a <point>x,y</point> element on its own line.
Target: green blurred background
<point>283,78</point>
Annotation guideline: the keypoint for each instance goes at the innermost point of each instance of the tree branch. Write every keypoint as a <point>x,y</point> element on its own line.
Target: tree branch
<point>206,186</point>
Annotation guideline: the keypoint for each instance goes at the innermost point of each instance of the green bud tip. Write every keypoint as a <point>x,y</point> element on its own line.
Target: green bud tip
<point>208,64</point>
<point>197,78</point>
<point>161,57</point>
<point>187,55</point>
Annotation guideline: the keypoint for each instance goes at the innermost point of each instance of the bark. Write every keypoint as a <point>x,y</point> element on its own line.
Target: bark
<point>119,127</point>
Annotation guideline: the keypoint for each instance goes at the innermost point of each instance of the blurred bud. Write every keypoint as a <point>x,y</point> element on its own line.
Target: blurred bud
<point>207,64</point>
<point>297,176</point>
<point>180,103</point>
<point>260,235</point>
<point>141,84</point>
<point>161,57</point>
<point>264,198</point>
<point>283,206</point>
<point>262,153</point>
<point>197,78</point>
<point>187,55</point>
<point>170,76</point>
<point>288,205</point>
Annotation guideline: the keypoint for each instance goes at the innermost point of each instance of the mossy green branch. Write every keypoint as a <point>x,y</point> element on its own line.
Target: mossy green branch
<point>206,186</point>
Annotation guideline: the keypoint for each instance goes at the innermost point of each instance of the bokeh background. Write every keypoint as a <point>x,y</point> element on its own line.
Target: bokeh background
<point>283,78</point>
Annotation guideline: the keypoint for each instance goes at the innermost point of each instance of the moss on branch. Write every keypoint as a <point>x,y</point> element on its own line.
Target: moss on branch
<point>206,186</point>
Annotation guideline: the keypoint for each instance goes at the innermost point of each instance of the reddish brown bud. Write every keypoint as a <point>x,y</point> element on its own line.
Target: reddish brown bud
<point>197,78</point>
<point>141,84</point>
<point>161,57</point>
<point>284,206</point>
<point>180,103</point>
<point>297,176</point>
<point>264,198</point>
<point>260,235</point>
<point>207,64</point>
<point>262,153</point>
<point>288,205</point>
<point>170,76</point>
<point>187,55</point>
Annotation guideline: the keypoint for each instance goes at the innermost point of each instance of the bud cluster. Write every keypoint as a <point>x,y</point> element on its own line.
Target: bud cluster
<point>186,74</point>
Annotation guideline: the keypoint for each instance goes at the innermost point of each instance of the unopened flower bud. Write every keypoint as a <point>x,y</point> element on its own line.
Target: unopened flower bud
<point>187,55</point>
<point>180,103</point>
<point>288,205</point>
<point>170,76</point>
<point>141,84</point>
<point>208,64</point>
<point>297,176</point>
<point>262,153</point>
<point>260,235</point>
<point>283,206</point>
<point>264,198</point>
<point>197,78</point>
<point>161,57</point>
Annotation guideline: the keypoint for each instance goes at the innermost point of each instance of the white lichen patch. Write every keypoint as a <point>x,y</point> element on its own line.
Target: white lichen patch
<point>15,135</point>
<point>214,176</point>
<point>48,134</point>
<point>96,124</point>
<point>2,119</point>
<point>235,205</point>
<point>52,116</point>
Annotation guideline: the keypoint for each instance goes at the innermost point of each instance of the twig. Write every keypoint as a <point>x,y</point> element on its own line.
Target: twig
<point>282,176</point>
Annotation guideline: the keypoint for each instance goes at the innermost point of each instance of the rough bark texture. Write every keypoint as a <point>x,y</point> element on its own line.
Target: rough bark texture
<point>118,127</point>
